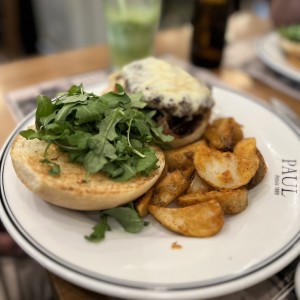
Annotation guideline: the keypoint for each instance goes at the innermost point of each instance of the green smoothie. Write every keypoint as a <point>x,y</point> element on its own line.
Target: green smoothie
<point>131,32</point>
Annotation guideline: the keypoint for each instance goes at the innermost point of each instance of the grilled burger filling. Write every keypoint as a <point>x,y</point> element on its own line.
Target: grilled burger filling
<point>183,103</point>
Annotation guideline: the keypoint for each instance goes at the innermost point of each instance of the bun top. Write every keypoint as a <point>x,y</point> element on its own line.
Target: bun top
<point>72,188</point>
<point>166,87</point>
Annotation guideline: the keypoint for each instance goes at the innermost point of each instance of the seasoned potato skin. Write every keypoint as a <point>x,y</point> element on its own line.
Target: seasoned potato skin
<point>200,220</point>
<point>231,201</point>
<point>227,170</point>
<point>181,158</point>
<point>223,134</point>
<point>142,203</point>
<point>169,188</point>
<point>260,173</point>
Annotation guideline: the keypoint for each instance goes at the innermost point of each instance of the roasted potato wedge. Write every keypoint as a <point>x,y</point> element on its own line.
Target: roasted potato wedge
<point>231,201</point>
<point>227,170</point>
<point>198,185</point>
<point>260,173</point>
<point>181,158</point>
<point>169,188</point>
<point>199,220</point>
<point>142,203</point>
<point>189,172</point>
<point>223,134</point>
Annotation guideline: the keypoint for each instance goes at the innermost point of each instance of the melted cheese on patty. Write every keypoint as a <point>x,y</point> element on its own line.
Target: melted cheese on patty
<point>167,87</point>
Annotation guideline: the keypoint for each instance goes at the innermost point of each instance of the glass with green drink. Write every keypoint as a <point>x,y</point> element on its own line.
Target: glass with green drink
<point>131,26</point>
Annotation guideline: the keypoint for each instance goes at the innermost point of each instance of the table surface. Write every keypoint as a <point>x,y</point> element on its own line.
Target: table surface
<point>34,70</point>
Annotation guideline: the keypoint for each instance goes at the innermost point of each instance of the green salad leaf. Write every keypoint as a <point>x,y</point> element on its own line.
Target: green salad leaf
<point>109,133</point>
<point>99,230</point>
<point>127,217</point>
<point>291,32</point>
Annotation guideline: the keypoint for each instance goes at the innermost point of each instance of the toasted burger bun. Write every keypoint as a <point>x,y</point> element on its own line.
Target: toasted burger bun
<point>291,49</point>
<point>70,189</point>
<point>183,103</point>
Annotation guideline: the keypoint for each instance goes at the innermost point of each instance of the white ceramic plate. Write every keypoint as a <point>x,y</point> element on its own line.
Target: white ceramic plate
<point>252,246</point>
<point>268,51</point>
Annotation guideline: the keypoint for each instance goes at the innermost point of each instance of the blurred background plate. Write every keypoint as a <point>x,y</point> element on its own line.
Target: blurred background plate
<point>270,54</point>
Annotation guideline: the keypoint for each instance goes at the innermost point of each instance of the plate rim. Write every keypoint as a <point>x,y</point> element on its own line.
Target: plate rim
<point>284,70</point>
<point>155,293</point>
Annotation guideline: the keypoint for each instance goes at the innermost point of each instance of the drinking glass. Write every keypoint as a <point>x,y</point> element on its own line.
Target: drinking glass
<point>131,26</point>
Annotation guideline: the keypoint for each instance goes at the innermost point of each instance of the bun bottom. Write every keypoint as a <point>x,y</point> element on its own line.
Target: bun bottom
<point>70,189</point>
<point>195,135</point>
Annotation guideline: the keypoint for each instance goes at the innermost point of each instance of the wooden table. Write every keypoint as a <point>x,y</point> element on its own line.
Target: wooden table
<point>35,70</point>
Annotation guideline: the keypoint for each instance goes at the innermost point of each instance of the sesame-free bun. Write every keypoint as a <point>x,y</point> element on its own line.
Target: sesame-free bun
<point>70,189</point>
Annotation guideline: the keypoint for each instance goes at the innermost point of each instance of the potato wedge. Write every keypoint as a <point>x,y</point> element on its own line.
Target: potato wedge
<point>227,170</point>
<point>189,172</point>
<point>199,220</point>
<point>141,204</point>
<point>231,201</point>
<point>260,173</point>
<point>198,185</point>
<point>223,134</point>
<point>181,158</point>
<point>169,188</point>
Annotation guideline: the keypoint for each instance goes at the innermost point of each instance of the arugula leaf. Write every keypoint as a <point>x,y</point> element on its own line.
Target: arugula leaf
<point>137,100</point>
<point>101,151</point>
<point>113,170</point>
<point>115,99</point>
<point>161,137</point>
<point>108,124</point>
<point>55,168</point>
<point>128,170</point>
<point>99,230</point>
<point>91,111</point>
<point>62,114</point>
<point>45,107</point>
<point>29,134</point>
<point>127,217</point>
<point>74,90</point>
<point>148,163</point>
<point>79,140</point>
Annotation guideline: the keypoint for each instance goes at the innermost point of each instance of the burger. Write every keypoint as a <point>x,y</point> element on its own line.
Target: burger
<point>182,102</point>
<point>90,152</point>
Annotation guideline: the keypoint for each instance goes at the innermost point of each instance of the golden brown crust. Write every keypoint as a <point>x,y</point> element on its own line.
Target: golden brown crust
<point>70,189</point>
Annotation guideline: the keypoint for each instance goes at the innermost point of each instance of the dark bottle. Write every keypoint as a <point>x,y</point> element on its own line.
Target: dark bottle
<point>209,26</point>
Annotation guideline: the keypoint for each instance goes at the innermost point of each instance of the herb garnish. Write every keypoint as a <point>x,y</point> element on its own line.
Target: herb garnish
<point>109,133</point>
<point>126,215</point>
